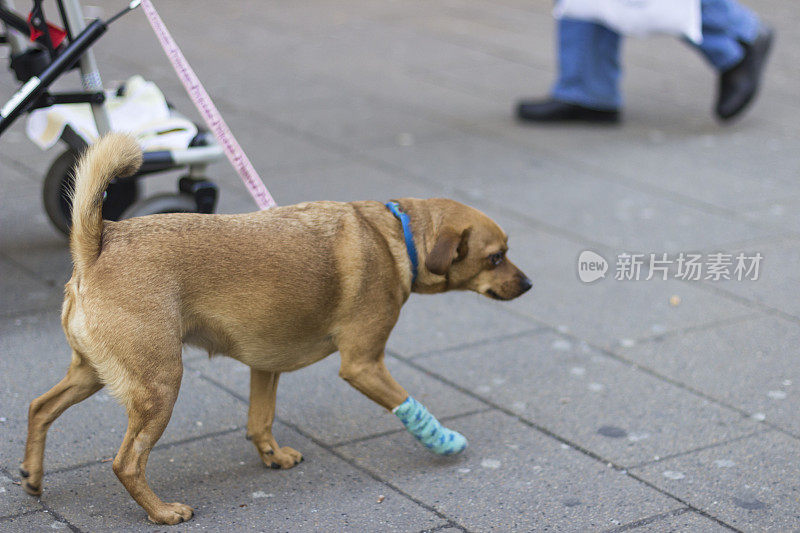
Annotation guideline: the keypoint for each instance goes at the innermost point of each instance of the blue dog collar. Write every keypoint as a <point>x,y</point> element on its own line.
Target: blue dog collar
<point>394,207</point>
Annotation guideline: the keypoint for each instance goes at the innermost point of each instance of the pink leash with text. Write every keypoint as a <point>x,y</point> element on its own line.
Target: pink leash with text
<point>208,110</point>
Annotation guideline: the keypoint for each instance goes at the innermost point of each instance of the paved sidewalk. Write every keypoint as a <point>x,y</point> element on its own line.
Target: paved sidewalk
<point>661,405</point>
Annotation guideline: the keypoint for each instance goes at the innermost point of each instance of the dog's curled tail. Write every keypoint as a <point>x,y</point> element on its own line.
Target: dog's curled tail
<point>114,155</point>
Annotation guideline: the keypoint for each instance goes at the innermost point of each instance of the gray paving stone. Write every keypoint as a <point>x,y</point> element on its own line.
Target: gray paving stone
<point>344,182</point>
<point>36,358</point>
<point>684,521</point>
<point>339,181</point>
<point>21,154</point>
<point>598,403</point>
<point>226,483</point>
<point>275,83</point>
<point>41,521</point>
<point>28,239</point>
<point>429,323</point>
<point>48,262</point>
<point>16,181</point>
<point>14,500</point>
<point>293,66</point>
<point>337,50</point>
<point>481,79</point>
<point>779,279</point>
<point>447,104</point>
<point>606,212</point>
<point>696,97</point>
<point>22,291</point>
<point>507,31</point>
<point>710,165</point>
<point>360,122</point>
<point>714,360</point>
<point>331,50</point>
<point>782,212</point>
<point>608,312</point>
<point>744,484</point>
<point>545,484</point>
<point>277,149</point>
<point>324,406</point>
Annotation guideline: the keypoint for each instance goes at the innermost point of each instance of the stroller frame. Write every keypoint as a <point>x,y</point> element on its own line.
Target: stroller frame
<point>40,64</point>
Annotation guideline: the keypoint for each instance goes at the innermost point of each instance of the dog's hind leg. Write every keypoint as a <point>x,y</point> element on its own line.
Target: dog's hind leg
<point>149,406</point>
<point>260,415</point>
<point>80,382</point>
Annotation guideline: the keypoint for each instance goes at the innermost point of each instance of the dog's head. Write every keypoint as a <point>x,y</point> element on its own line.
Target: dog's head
<point>466,250</point>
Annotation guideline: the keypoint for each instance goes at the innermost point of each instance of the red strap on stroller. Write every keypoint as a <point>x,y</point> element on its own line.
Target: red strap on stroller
<point>57,34</point>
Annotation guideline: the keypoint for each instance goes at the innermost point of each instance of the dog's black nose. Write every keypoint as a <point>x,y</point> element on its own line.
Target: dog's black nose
<point>525,285</point>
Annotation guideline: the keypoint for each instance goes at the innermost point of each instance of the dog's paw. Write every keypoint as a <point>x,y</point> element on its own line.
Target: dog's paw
<point>33,490</point>
<point>171,514</point>
<point>283,458</point>
<point>31,483</point>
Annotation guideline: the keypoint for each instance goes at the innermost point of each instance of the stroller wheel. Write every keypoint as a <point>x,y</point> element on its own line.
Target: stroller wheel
<point>59,182</point>
<point>162,203</point>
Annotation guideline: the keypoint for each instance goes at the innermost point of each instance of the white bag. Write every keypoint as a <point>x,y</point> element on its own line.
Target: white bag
<point>638,17</point>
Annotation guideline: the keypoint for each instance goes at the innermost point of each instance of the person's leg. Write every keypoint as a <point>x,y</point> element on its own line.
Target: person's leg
<point>727,28</point>
<point>589,66</point>
<point>736,43</point>
<point>587,88</point>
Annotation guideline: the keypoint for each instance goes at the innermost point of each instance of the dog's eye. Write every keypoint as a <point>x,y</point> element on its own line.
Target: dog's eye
<point>496,259</point>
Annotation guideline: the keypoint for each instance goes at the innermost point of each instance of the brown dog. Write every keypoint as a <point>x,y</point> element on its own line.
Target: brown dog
<point>277,290</point>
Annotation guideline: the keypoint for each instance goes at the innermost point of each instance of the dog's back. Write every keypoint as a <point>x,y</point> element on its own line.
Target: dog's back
<point>265,287</point>
<point>273,277</point>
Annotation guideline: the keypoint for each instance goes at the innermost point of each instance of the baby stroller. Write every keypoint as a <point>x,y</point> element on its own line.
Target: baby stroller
<point>40,53</point>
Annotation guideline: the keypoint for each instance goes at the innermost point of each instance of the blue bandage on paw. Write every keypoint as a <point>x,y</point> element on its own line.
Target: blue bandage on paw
<point>424,426</point>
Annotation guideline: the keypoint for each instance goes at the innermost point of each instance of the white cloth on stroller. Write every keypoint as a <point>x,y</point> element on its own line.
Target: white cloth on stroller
<point>141,111</point>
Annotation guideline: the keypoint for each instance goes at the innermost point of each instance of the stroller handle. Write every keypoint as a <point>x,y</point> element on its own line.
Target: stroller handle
<point>35,86</point>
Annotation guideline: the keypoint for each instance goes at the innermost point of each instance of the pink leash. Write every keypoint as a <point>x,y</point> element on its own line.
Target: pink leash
<point>208,110</point>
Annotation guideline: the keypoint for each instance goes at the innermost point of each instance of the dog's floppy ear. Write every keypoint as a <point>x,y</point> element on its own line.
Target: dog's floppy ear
<point>450,246</point>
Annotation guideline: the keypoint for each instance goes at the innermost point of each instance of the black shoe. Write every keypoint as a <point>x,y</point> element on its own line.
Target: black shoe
<point>554,111</point>
<point>738,85</point>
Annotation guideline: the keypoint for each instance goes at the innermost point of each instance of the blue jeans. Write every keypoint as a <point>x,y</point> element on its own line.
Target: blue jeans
<point>588,53</point>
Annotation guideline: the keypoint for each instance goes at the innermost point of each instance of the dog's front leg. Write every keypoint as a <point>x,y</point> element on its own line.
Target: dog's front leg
<point>370,376</point>
<point>260,415</point>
